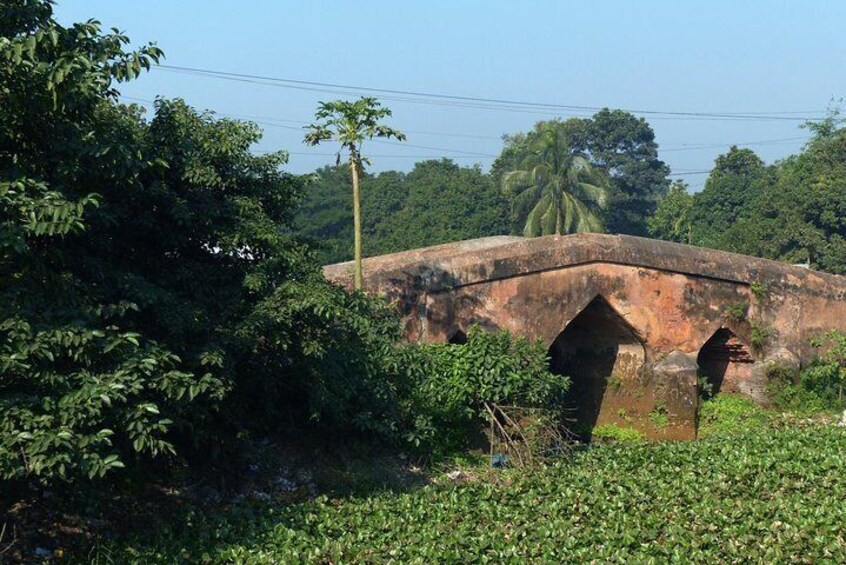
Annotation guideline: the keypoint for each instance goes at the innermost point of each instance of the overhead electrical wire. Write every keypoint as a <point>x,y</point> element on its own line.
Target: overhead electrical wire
<point>703,146</point>
<point>665,148</point>
<point>453,99</point>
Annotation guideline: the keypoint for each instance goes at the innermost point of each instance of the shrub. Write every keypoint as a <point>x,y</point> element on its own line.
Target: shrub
<point>659,416</point>
<point>788,392</point>
<point>818,387</point>
<point>828,373</point>
<point>616,434</point>
<point>81,392</point>
<point>759,290</point>
<point>729,414</point>
<point>759,335</point>
<point>453,383</point>
<point>737,312</point>
<point>147,275</point>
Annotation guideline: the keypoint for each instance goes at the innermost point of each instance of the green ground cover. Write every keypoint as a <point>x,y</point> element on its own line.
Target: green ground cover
<point>766,495</point>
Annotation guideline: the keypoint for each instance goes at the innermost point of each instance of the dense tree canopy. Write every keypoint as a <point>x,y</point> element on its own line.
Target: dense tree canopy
<point>75,383</point>
<point>800,213</point>
<point>146,274</point>
<point>437,202</point>
<point>444,202</point>
<point>736,180</point>
<point>625,147</point>
<point>794,210</point>
<point>671,220</point>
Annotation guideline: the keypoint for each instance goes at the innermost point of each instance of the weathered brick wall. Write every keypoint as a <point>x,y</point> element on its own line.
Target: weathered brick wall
<point>672,298</point>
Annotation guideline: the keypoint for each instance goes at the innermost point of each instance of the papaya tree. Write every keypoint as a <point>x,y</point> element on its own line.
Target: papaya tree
<point>350,124</point>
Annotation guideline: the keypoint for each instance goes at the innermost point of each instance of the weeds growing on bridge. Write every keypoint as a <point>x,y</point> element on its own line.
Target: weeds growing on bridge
<point>737,312</point>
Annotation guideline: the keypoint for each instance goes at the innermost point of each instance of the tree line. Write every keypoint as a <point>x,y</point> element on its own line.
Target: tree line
<point>584,174</point>
<point>599,174</point>
<point>793,210</point>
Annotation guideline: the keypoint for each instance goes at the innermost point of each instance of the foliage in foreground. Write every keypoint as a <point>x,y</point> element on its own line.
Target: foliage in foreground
<point>455,381</point>
<point>765,496</point>
<point>819,386</point>
<point>76,385</point>
<point>731,414</point>
<point>152,299</point>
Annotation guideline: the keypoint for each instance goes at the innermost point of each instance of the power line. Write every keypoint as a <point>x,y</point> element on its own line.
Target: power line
<point>396,143</point>
<point>663,148</point>
<point>452,98</point>
<point>453,153</point>
<point>378,156</point>
<point>405,144</point>
<point>699,147</point>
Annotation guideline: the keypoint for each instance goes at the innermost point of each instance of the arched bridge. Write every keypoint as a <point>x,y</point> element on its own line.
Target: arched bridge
<point>638,324</point>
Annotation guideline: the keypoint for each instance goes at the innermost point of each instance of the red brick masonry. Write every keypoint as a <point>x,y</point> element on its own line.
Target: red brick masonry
<point>635,322</point>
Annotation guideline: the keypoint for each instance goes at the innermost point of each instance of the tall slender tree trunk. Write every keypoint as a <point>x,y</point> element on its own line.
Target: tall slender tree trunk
<point>356,221</point>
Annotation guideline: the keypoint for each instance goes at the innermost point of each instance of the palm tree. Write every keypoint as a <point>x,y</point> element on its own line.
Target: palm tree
<point>566,193</point>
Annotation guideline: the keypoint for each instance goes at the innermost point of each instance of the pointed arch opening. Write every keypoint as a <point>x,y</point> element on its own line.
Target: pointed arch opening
<point>724,362</point>
<point>601,353</point>
<point>458,337</point>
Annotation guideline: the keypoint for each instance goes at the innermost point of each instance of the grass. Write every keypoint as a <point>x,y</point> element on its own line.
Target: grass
<point>659,416</point>
<point>761,495</point>
<point>616,434</point>
<point>727,415</point>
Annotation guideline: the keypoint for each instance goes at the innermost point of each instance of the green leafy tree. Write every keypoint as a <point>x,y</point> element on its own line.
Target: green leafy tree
<point>792,211</point>
<point>734,183</point>
<point>443,202</point>
<point>802,214</point>
<point>148,274</point>
<point>559,191</point>
<point>78,388</point>
<point>625,147</point>
<point>350,124</point>
<point>671,221</point>
<point>436,202</point>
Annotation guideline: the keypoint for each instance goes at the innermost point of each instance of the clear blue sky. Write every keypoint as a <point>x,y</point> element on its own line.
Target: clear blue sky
<point>717,56</point>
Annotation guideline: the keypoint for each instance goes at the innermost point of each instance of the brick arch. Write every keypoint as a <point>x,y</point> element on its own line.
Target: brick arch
<point>602,354</point>
<point>571,309</point>
<point>725,361</point>
<point>457,337</point>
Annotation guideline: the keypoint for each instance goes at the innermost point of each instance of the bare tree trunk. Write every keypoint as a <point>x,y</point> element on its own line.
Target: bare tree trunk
<point>356,221</point>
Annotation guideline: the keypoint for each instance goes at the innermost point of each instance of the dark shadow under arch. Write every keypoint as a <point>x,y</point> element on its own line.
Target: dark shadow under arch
<point>598,349</point>
<point>723,358</point>
<point>457,338</point>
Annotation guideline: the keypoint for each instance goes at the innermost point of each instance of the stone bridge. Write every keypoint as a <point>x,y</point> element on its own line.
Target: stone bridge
<point>638,324</point>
